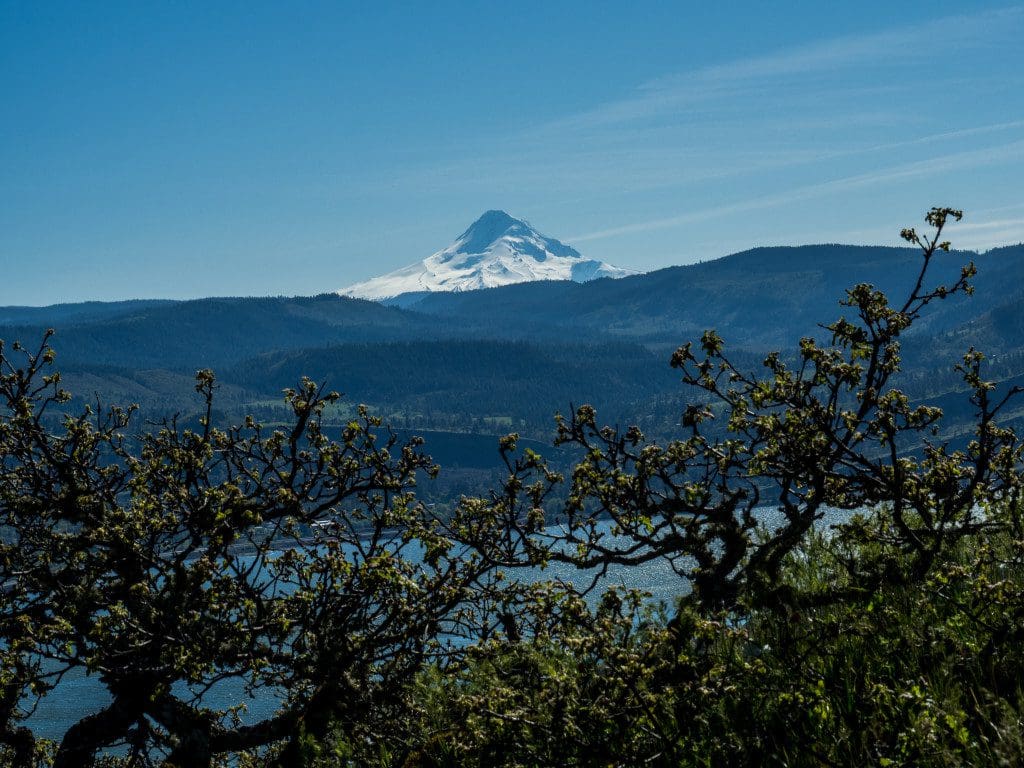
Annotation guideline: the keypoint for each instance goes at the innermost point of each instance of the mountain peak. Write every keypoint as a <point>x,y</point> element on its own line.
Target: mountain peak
<point>494,220</point>
<point>497,249</point>
<point>488,228</point>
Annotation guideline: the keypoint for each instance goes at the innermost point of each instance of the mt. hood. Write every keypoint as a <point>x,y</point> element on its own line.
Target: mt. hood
<point>496,250</point>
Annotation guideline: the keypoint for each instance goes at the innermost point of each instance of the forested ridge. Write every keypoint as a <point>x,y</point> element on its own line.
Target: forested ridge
<point>521,335</point>
<point>295,554</point>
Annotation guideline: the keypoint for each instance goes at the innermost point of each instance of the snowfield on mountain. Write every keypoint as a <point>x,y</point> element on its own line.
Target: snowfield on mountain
<point>496,250</point>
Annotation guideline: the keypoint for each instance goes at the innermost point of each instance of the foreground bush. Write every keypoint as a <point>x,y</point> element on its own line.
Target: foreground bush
<point>923,675</point>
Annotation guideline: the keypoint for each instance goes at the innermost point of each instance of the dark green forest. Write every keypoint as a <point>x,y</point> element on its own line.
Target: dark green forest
<point>254,528</point>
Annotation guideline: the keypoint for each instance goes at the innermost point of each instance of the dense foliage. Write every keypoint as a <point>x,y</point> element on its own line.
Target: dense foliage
<point>289,563</point>
<point>305,567</point>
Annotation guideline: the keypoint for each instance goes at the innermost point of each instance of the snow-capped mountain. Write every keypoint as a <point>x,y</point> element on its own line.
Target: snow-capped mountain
<point>496,250</point>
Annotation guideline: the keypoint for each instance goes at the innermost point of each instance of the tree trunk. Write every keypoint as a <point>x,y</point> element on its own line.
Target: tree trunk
<point>85,738</point>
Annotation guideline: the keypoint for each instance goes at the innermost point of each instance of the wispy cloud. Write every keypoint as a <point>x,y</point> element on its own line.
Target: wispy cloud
<point>931,167</point>
<point>800,71</point>
<point>643,161</point>
<point>799,107</point>
<point>991,228</point>
<point>676,91</point>
<point>757,133</point>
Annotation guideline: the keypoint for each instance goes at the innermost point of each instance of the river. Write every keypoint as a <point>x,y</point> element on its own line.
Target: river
<point>79,695</point>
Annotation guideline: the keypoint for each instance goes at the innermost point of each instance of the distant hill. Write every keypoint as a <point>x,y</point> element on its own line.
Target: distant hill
<point>762,298</point>
<point>758,299</point>
<point>219,332</point>
<point>507,358</point>
<point>86,311</point>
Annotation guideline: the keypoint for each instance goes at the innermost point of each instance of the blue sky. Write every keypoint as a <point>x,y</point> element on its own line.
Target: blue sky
<point>189,149</point>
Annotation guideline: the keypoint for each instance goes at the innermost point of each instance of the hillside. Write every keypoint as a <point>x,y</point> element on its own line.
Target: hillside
<point>763,298</point>
<point>493,360</point>
<point>216,332</point>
